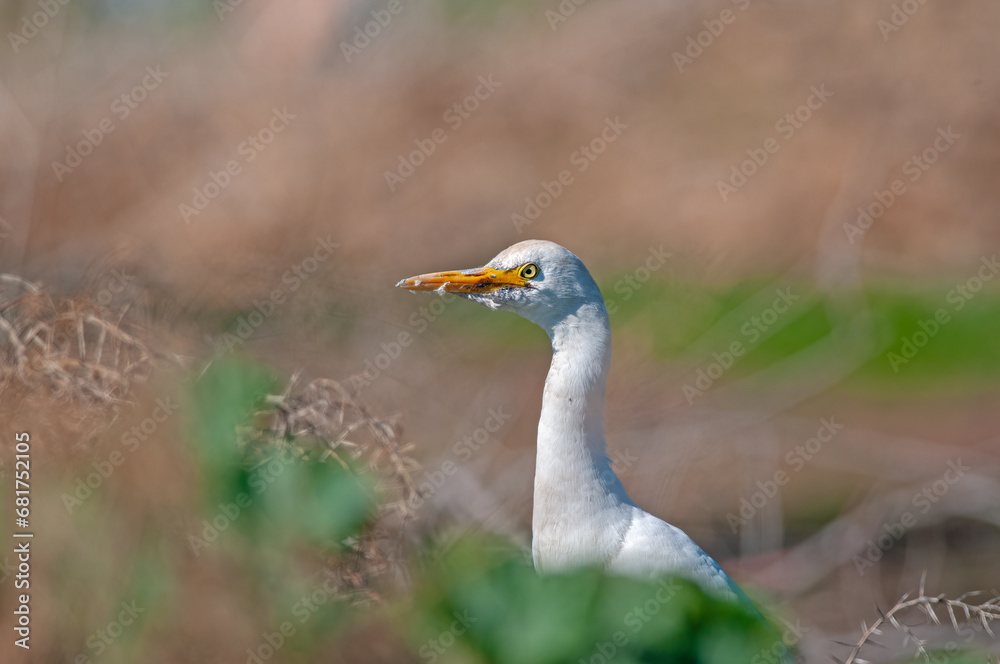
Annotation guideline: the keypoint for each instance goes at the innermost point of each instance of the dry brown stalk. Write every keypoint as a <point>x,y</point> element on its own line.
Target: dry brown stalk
<point>981,614</point>
<point>71,346</point>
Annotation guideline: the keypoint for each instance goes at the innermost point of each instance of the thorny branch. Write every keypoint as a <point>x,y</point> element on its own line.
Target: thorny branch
<point>982,614</point>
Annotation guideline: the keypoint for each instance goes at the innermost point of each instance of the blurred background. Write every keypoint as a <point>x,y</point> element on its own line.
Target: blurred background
<point>791,207</point>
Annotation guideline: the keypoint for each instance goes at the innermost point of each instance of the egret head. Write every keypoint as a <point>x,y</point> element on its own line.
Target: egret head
<point>539,280</point>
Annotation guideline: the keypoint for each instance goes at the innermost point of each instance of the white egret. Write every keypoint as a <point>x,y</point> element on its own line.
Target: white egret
<point>582,515</point>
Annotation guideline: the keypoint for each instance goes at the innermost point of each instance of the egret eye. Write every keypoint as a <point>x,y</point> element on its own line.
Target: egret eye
<point>528,271</point>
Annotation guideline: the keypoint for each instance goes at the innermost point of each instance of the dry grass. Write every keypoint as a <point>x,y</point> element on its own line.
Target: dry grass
<point>71,347</point>
<point>76,374</point>
<point>76,350</point>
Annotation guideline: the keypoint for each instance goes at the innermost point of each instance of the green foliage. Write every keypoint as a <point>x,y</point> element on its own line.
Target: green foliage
<point>224,399</point>
<point>302,498</point>
<point>289,495</point>
<point>487,604</point>
<point>269,504</point>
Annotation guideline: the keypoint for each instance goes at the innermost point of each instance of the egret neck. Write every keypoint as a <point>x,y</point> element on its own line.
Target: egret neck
<point>578,500</point>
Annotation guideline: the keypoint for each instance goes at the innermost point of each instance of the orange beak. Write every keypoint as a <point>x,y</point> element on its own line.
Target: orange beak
<point>478,280</point>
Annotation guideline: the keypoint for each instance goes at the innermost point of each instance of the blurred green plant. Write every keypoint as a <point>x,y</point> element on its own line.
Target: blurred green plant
<point>275,507</point>
<point>483,602</point>
<point>277,492</point>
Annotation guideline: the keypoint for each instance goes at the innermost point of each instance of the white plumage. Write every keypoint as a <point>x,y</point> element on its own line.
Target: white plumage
<point>582,514</point>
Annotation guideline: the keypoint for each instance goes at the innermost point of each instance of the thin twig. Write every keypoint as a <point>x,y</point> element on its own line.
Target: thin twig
<point>983,614</point>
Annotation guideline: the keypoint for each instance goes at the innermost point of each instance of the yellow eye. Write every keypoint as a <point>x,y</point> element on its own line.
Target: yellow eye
<point>528,271</point>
